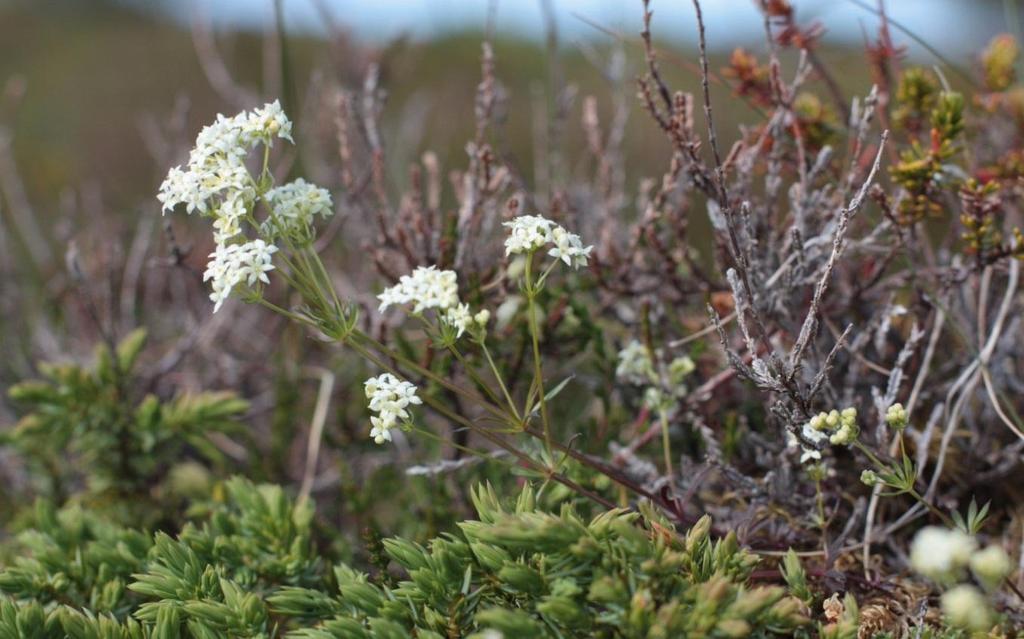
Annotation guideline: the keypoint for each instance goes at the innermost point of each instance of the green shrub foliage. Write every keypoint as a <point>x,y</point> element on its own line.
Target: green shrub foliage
<point>95,437</point>
<point>250,569</point>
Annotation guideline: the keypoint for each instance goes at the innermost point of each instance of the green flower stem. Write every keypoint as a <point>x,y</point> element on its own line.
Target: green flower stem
<point>295,317</point>
<point>870,455</point>
<point>473,375</point>
<point>327,278</point>
<point>484,455</point>
<point>470,370</point>
<point>935,511</point>
<point>544,276</point>
<point>500,442</point>
<point>538,374</point>
<point>490,436</point>
<point>666,445</point>
<point>501,382</point>
<point>820,503</point>
<point>910,490</point>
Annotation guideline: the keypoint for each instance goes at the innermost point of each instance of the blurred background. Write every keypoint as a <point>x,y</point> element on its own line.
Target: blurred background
<point>85,80</point>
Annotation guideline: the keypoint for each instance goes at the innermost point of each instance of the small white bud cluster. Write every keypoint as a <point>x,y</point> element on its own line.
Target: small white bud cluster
<point>635,364</point>
<point>991,566</point>
<point>390,398</point>
<point>869,477</point>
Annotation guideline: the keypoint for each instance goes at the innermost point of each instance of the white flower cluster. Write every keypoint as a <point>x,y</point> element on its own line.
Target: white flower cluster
<point>216,181</point>
<point>389,398</point>
<point>429,288</point>
<point>532,232</point>
<point>425,288</point>
<point>233,264</point>
<point>294,205</point>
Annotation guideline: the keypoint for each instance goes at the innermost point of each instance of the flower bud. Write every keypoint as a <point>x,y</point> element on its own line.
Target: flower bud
<point>965,607</point>
<point>991,566</point>
<point>846,435</point>
<point>896,417</point>
<point>870,478</point>
<point>941,554</point>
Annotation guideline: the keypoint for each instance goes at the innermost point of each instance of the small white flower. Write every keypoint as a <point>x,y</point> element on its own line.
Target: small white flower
<point>568,248</point>
<point>181,187</point>
<point>381,431</point>
<point>425,288</point>
<point>270,121</point>
<point>940,553</point>
<point>234,264</point>
<point>389,398</point>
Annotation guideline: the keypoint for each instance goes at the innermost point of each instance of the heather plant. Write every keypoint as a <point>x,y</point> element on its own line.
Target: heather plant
<point>797,342</point>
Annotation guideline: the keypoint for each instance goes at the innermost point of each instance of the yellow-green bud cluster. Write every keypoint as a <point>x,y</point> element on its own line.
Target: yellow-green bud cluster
<point>896,417</point>
<point>841,424</point>
<point>870,478</point>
